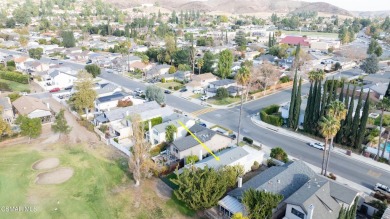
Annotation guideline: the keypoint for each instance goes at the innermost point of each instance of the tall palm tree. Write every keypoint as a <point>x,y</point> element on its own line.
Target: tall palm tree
<point>242,78</point>
<point>383,105</point>
<point>312,75</point>
<point>337,111</point>
<point>200,63</point>
<point>328,128</point>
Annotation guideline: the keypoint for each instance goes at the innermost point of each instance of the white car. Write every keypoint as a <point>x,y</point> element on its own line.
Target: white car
<point>318,145</point>
<point>204,98</point>
<point>381,188</point>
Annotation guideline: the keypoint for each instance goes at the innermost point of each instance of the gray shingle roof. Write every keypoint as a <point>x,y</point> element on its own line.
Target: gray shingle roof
<point>226,157</point>
<point>120,113</point>
<point>106,88</point>
<point>161,127</point>
<point>342,193</point>
<point>113,97</point>
<point>284,180</point>
<point>203,134</point>
<point>223,82</point>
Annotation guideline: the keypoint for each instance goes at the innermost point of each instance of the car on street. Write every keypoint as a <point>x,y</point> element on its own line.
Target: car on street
<point>167,92</point>
<point>55,90</point>
<point>381,188</point>
<point>233,136</point>
<point>318,145</point>
<point>184,90</point>
<point>204,98</point>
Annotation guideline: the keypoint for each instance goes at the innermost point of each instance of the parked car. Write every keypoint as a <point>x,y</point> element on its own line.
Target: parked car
<point>55,90</point>
<point>381,188</point>
<point>317,145</point>
<point>197,91</point>
<point>233,136</point>
<point>68,88</point>
<point>203,124</point>
<point>204,98</point>
<point>167,92</point>
<point>183,90</point>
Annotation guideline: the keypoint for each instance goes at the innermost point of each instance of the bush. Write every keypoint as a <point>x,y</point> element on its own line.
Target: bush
<point>116,140</point>
<point>103,128</point>
<point>13,96</point>
<point>255,166</point>
<point>14,76</point>
<point>284,79</point>
<point>279,154</point>
<point>124,103</point>
<point>192,159</point>
<point>248,140</point>
<point>271,115</point>
<point>170,88</point>
<point>156,150</point>
<point>163,80</point>
<point>11,63</point>
<point>176,87</point>
<point>222,93</point>
<point>4,87</point>
<point>87,124</point>
<point>270,163</point>
<point>154,121</point>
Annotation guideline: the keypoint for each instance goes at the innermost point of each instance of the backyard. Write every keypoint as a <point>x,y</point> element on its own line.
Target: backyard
<point>99,186</point>
<point>15,86</point>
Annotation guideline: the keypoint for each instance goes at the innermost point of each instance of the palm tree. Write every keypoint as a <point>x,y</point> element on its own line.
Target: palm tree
<point>200,63</point>
<point>312,75</point>
<point>242,78</point>
<point>383,105</point>
<point>337,111</point>
<point>328,128</point>
<point>320,75</point>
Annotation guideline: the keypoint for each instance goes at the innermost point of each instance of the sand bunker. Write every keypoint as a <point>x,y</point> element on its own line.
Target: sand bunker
<point>57,176</point>
<point>45,164</point>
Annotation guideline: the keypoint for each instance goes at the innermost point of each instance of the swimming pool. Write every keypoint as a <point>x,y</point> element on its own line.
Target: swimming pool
<point>387,147</point>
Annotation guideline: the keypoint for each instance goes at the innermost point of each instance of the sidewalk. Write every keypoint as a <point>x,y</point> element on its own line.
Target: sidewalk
<point>256,120</point>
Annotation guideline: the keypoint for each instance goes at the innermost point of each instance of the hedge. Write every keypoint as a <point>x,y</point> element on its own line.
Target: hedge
<point>247,140</point>
<point>267,115</point>
<point>155,121</point>
<point>14,76</point>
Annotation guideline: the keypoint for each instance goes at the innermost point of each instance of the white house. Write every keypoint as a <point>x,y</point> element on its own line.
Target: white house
<point>59,79</point>
<point>110,101</point>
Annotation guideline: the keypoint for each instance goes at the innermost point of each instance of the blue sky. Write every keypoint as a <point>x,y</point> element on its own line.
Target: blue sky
<point>359,5</point>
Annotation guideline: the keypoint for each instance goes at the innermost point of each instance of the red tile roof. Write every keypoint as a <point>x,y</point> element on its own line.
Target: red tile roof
<point>295,40</point>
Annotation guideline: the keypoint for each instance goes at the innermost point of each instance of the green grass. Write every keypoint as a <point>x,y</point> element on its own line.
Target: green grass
<point>15,86</point>
<point>135,75</point>
<point>99,188</point>
<point>225,101</point>
<point>319,34</point>
<point>183,209</point>
<point>196,96</point>
<point>170,84</point>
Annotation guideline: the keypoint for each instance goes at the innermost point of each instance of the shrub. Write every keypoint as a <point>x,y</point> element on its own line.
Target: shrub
<point>176,88</point>
<point>116,140</point>
<point>279,154</point>
<point>14,76</point>
<point>170,87</point>
<point>103,128</point>
<point>4,87</point>
<point>154,121</point>
<point>124,103</point>
<point>222,93</point>
<point>248,140</point>
<point>192,159</point>
<point>156,150</point>
<point>11,63</point>
<point>271,115</point>
<point>284,79</point>
<point>270,163</point>
<point>163,80</point>
<point>13,96</point>
<point>255,166</point>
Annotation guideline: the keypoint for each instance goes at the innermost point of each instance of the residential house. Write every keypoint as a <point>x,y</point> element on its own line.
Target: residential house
<point>295,40</point>
<point>183,147</point>
<point>106,89</point>
<point>379,90</point>
<point>267,58</point>
<point>199,82</point>
<point>229,84</point>
<point>157,70</point>
<point>222,83</point>
<point>110,101</point>
<point>181,76</point>
<point>60,79</point>
<point>306,195</point>
<point>20,62</point>
<point>378,78</point>
<point>158,132</point>
<point>32,108</point>
<point>140,66</point>
<point>244,156</point>
<point>6,110</point>
<point>36,66</point>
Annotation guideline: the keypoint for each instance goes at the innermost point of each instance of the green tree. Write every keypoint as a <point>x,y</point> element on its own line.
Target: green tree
<point>279,154</point>
<point>172,69</point>
<point>199,63</point>
<point>192,159</point>
<point>170,46</point>
<point>259,204</point>
<point>387,94</point>
<point>60,125</point>
<point>183,67</point>
<point>374,48</point>
<point>222,93</point>
<point>199,188</point>
<point>363,123</point>
<point>292,101</point>
<point>356,120</point>
<point>170,132</point>
<point>154,93</point>
<point>85,95</point>
<point>328,128</point>
<point>371,64</point>
<point>35,53</point>
<point>10,23</point>
<point>68,39</point>
<point>5,128</point>
<point>208,58</point>
<point>383,105</point>
<point>225,63</point>
<point>93,69</point>
<point>297,106</point>
<point>240,40</point>
<point>21,17</point>
<point>32,128</point>
<point>231,173</point>
<point>348,121</point>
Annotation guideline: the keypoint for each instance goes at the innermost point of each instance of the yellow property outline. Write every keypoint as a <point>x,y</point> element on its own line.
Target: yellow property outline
<point>200,142</point>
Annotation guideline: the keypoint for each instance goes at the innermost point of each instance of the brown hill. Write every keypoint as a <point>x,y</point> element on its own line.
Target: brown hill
<point>322,7</point>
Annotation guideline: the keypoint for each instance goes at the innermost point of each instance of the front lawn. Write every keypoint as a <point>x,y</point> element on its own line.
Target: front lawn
<point>224,101</point>
<point>196,96</point>
<point>15,86</point>
<point>170,85</point>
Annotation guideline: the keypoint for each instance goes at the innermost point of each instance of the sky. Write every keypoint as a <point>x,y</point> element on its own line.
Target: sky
<point>359,5</point>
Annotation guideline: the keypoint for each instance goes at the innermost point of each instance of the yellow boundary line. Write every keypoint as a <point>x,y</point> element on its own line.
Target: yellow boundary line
<point>200,142</point>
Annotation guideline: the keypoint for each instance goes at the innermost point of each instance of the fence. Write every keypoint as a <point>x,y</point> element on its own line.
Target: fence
<point>119,147</point>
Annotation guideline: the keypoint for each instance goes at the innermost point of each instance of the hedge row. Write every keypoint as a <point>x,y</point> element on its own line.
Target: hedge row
<point>155,121</point>
<point>14,76</point>
<point>270,115</point>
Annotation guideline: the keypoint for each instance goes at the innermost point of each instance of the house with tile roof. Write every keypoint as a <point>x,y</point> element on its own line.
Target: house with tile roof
<point>188,145</point>
<point>32,108</point>
<point>306,195</point>
<point>295,40</point>
<point>200,82</point>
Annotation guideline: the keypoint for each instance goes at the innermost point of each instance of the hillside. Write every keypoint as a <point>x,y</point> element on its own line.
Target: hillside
<point>239,6</point>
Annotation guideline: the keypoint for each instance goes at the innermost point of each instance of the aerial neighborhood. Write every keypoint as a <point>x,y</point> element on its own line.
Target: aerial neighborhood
<point>194,109</point>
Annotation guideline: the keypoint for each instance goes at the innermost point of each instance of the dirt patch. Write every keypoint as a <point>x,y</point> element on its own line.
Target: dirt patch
<point>45,164</point>
<point>55,177</point>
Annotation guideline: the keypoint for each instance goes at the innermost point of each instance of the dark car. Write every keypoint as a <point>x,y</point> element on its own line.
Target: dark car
<point>68,88</point>
<point>184,90</point>
<point>203,124</point>
<point>233,136</point>
<point>167,92</point>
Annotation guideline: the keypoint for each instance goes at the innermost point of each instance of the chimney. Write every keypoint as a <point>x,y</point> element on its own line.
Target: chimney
<point>48,106</point>
<point>239,185</point>
<point>310,212</point>
<point>200,155</point>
